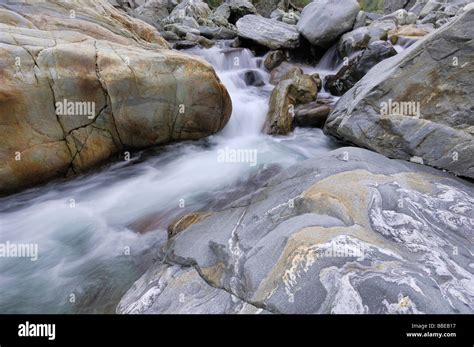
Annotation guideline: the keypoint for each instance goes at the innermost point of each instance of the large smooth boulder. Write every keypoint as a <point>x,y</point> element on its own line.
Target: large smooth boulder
<point>418,103</point>
<point>78,91</point>
<point>323,21</point>
<point>348,232</point>
<point>268,32</point>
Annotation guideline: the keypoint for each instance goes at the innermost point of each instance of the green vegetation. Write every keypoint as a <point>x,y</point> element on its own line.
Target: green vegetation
<point>372,5</point>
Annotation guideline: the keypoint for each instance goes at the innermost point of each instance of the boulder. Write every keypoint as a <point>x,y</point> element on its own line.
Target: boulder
<point>322,22</point>
<point>268,32</point>
<point>266,7</point>
<point>201,40</point>
<point>253,78</point>
<point>273,59</point>
<point>357,67</point>
<point>355,40</point>
<point>181,30</point>
<point>238,9</point>
<point>311,115</point>
<point>348,232</point>
<point>361,20</point>
<point>317,79</point>
<point>283,71</point>
<point>184,44</point>
<point>296,89</point>
<point>408,32</point>
<point>418,103</point>
<point>78,91</point>
<point>152,11</point>
<point>196,9</point>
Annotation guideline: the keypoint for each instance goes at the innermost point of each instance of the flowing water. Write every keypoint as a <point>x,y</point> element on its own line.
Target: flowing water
<point>96,234</point>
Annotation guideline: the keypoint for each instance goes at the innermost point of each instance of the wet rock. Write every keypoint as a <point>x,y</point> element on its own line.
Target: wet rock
<point>296,89</point>
<point>273,59</point>
<point>311,115</point>
<point>317,78</point>
<point>358,66</point>
<point>253,78</point>
<point>349,232</point>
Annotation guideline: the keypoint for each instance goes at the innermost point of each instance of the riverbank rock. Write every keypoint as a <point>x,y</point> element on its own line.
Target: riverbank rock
<point>294,89</point>
<point>417,104</point>
<point>348,232</point>
<point>268,32</point>
<point>78,91</point>
<point>323,21</point>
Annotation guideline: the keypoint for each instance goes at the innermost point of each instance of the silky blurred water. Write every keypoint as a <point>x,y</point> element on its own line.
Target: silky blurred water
<point>96,234</point>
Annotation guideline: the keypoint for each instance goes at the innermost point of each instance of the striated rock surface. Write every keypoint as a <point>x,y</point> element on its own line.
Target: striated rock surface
<point>81,81</point>
<point>268,32</point>
<point>417,104</point>
<point>349,232</point>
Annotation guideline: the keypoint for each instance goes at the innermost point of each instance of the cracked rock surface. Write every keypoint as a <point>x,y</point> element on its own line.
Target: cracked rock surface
<point>87,51</point>
<point>349,232</point>
<point>435,75</point>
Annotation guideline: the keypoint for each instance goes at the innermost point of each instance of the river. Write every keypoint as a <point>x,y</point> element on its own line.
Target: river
<point>97,233</point>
